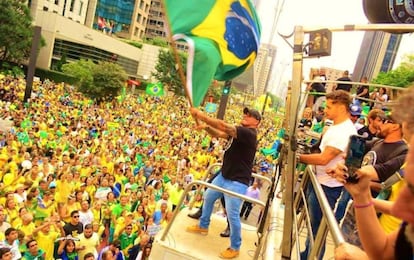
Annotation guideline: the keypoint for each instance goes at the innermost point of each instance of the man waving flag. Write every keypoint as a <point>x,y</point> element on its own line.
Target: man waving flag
<point>223,38</point>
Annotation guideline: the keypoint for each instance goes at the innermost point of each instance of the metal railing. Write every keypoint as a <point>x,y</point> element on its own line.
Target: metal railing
<point>211,186</point>
<point>210,172</point>
<point>328,221</point>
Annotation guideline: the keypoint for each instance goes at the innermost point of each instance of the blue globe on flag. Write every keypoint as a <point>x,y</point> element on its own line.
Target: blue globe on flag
<point>211,107</point>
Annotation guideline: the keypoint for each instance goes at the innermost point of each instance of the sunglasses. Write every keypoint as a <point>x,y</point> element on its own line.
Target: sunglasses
<point>77,216</point>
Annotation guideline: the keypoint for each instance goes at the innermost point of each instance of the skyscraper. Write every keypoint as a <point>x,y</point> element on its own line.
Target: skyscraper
<point>377,54</point>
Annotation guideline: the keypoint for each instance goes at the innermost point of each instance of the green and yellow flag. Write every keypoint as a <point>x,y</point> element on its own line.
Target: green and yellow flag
<point>223,38</point>
<point>155,89</point>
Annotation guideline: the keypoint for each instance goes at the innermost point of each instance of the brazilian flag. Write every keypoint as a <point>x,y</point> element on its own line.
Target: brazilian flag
<point>223,38</point>
<point>155,89</point>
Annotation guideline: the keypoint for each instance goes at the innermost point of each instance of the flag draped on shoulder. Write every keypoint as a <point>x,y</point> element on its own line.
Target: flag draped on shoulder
<point>223,38</point>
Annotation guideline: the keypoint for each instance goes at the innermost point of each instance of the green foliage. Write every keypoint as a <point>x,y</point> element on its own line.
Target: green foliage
<point>81,70</point>
<point>157,42</point>
<point>108,80</point>
<point>402,76</point>
<point>134,43</point>
<point>97,81</point>
<point>16,30</point>
<point>276,101</point>
<point>11,69</point>
<point>55,76</point>
<point>167,73</point>
<point>61,62</point>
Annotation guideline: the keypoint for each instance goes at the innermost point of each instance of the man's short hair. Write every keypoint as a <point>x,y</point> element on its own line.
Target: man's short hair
<point>374,113</point>
<point>88,226</point>
<point>4,250</point>
<point>9,230</point>
<point>116,243</point>
<point>339,97</point>
<point>74,212</point>
<point>88,255</point>
<point>29,242</point>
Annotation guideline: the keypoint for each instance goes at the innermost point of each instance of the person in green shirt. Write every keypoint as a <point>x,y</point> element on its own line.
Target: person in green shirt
<point>127,239</point>
<point>33,251</point>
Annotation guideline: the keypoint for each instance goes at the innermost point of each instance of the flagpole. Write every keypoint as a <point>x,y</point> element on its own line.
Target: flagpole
<point>176,56</point>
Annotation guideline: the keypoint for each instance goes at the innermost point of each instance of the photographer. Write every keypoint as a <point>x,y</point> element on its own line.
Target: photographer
<point>378,244</point>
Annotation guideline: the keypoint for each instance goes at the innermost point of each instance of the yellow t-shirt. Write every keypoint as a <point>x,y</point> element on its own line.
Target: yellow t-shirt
<point>90,244</point>
<point>63,190</point>
<point>27,229</point>
<point>388,222</point>
<point>46,242</point>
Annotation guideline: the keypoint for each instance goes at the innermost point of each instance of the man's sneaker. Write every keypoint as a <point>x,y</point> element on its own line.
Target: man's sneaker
<point>229,253</point>
<point>197,229</point>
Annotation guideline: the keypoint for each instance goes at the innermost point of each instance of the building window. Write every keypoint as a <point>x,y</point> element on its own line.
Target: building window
<point>139,18</point>
<point>72,5</point>
<point>141,4</point>
<point>56,2</point>
<point>80,8</point>
<point>45,8</point>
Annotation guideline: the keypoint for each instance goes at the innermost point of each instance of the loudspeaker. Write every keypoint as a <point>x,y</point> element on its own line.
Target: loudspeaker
<point>389,11</point>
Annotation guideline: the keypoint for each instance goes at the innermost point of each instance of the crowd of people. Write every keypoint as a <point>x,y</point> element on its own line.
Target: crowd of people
<point>81,180</point>
<point>387,131</point>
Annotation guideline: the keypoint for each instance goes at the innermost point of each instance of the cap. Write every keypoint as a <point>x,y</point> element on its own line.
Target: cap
<point>52,185</point>
<point>355,110</point>
<point>252,112</point>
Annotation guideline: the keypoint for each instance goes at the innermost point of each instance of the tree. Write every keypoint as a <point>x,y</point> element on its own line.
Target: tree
<point>108,80</point>
<point>97,81</point>
<point>16,30</point>
<point>402,76</point>
<point>276,101</point>
<point>167,73</point>
<point>157,41</point>
<point>82,70</point>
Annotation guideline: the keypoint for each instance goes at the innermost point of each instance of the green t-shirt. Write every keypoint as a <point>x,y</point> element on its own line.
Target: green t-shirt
<point>40,255</point>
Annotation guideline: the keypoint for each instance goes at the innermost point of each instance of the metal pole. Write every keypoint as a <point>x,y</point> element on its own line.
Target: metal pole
<point>389,27</point>
<point>291,160</point>
<point>32,62</point>
<point>223,101</point>
<point>265,102</point>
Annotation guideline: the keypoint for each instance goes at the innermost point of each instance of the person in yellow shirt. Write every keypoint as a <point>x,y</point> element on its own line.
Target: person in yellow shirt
<point>46,207</point>
<point>27,226</point>
<point>46,237</point>
<point>18,220</point>
<point>10,208</point>
<point>88,242</point>
<point>70,206</point>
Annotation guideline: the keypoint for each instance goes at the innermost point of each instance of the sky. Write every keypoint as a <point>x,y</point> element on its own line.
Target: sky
<point>309,14</point>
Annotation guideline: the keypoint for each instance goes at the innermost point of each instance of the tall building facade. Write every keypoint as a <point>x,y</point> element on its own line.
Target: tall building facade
<point>377,54</point>
<point>66,27</point>
<point>126,18</point>
<point>156,27</point>
<point>256,79</point>
<point>75,10</point>
<point>263,65</point>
